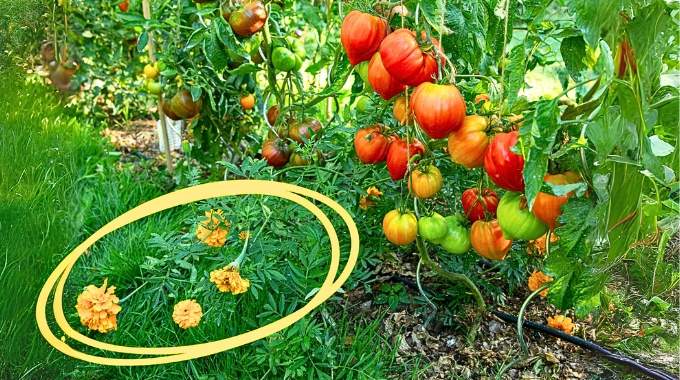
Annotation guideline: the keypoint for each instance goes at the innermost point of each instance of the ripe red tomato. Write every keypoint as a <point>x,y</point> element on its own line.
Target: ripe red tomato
<point>306,128</point>
<point>361,35</point>
<point>400,228</point>
<point>548,207</point>
<point>477,206</point>
<point>381,81</point>
<point>371,145</point>
<point>276,152</point>
<point>249,19</point>
<point>399,154</point>
<point>487,239</point>
<point>467,145</point>
<point>502,165</point>
<point>247,102</point>
<point>273,114</point>
<point>425,183</point>
<point>124,5</point>
<point>405,59</point>
<point>438,109</point>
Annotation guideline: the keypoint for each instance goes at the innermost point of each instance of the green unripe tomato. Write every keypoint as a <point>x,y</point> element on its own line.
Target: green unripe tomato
<point>363,104</point>
<point>433,228</point>
<point>154,87</point>
<point>298,46</point>
<point>298,63</point>
<point>283,59</point>
<point>515,219</point>
<point>362,70</point>
<point>457,239</point>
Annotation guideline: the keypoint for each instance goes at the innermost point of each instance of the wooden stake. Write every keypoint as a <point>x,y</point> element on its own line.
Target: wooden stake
<point>146,10</point>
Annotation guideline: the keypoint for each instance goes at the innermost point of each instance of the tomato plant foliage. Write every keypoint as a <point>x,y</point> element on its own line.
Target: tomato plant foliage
<point>610,116</point>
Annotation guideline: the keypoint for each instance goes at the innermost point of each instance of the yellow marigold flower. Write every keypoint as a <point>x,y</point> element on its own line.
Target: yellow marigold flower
<point>365,203</point>
<point>561,322</point>
<point>97,308</point>
<point>373,191</point>
<point>187,314</point>
<point>243,235</point>
<point>228,279</point>
<point>538,279</point>
<point>213,229</point>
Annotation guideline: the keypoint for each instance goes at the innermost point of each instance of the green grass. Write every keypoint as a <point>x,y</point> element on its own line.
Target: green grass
<point>58,185</point>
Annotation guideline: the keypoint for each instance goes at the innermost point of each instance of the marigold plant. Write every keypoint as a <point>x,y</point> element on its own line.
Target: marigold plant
<point>368,200</point>
<point>213,229</point>
<point>228,279</point>
<point>538,279</point>
<point>187,314</point>
<point>561,322</point>
<point>98,307</point>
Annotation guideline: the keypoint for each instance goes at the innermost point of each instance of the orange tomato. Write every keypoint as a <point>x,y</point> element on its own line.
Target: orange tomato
<point>248,102</point>
<point>400,228</point>
<point>425,183</point>
<point>467,145</point>
<point>548,207</point>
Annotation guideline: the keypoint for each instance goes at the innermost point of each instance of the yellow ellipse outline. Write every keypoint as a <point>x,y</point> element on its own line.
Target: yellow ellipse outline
<point>177,198</point>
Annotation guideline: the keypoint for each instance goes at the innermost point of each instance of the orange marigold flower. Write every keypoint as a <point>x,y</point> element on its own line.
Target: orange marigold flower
<point>538,279</point>
<point>228,279</point>
<point>213,229</point>
<point>243,235</point>
<point>187,313</point>
<point>561,322</point>
<point>365,203</point>
<point>97,308</point>
<point>374,191</point>
<point>481,98</point>
<point>538,245</point>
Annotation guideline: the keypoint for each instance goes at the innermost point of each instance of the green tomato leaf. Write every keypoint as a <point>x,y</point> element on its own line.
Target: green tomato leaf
<point>538,137</point>
<point>142,41</point>
<point>514,74</point>
<point>573,51</point>
<point>595,18</point>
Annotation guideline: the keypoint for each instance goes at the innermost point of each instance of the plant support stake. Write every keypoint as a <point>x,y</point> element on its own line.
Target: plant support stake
<point>146,9</point>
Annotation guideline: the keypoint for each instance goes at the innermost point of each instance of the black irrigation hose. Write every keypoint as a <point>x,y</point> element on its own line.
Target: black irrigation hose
<point>652,373</point>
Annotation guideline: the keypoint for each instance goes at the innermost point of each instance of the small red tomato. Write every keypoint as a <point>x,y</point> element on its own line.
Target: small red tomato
<point>477,206</point>
<point>399,155</point>
<point>371,144</point>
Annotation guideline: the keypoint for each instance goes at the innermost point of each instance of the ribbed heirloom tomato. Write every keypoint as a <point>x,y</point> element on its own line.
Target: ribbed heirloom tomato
<point>477,206</point>
<point>405,60</point>
<point>488,241</point>
<point>276,152</point>
<point>249,19</point>
<point>548,207</point>
<point>425,183</point>
<point>371,145</point>
<point>399,154</point>
<point>515,219</point>
<point>400,228</point>
<point>502,165</point>
<point>303,130</point>
<point>467,145</point>
<point>381,81</point>
<point>361,35</point>
<point>439,109</point>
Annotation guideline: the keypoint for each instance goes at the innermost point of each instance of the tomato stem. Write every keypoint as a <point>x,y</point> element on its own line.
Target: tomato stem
<point>520,316</point>
<point>453,278</point>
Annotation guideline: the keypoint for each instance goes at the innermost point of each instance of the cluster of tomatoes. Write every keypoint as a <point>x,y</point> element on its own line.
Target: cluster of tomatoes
<point>394,61</point>
<point>279,148</point>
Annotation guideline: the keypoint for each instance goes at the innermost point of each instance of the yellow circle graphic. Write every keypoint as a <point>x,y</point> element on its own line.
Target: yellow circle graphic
<point>163,355</point>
